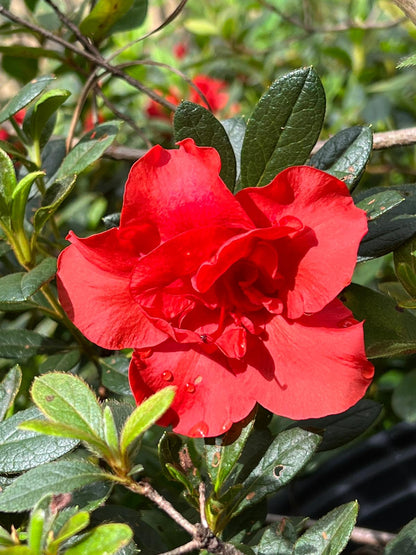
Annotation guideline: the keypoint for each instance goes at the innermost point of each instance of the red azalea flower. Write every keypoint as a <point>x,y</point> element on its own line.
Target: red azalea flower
<point>180,50</point>
<point>232,299</point>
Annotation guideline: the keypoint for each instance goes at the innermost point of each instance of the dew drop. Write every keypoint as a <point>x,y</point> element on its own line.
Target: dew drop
<point>190,388</point>
<point>199,430</point>
<point>226,426</point>
<point>347,323</point>
<point>167,376</point>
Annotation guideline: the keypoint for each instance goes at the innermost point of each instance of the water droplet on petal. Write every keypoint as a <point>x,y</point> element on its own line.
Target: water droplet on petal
<point>190,388</point>
<point>226,426</point>
<point>347,322</point>
<point>199,430</point>
<point>167,376</point>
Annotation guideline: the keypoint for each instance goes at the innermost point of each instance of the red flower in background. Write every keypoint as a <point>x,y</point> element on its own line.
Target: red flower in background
<point>232,299</point>
<point>215,91</point>
<point>180,50</point>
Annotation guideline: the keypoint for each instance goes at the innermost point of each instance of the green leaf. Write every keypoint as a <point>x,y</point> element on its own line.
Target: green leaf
<point>283,127</point>
<point>11,288</point>
<point>35,529</point>
<point>339,429</point>
<point>114,374</point>
<point>389,330</point>
<point>391,214</point>
<point>7,183</point>
<point>33,52</point>
<point>235,129</point>
<point>110,429</point>
<point>22,344</point>
<point>330,534</point>
<point>22,449</point>
<point>277,538</point>
<point>145,415</point>
<point>222,457</point>
<point>62,476</point>
<point>345,155</point>
<point>9,388</point>
<point>54,196</point>
<point>88,150</point>
<point>112,536</point>
<point>403,399</point>
<point>19,198</point>
<point>405,265</point>
<point>62,362</point>
<point>5,538</point>
<point>405,541</point>
<point>176,461</point>
<point>103,16</point>
<point>28,93</point>
<point>195,121</point>
<point>17,550</point>
<point>67,399</point>
<point>42,273</point>
<point>133,18</point>
<point>76,523</point>
<point>22,69</point>
<point>52,428</point>
<point>289,452</point>
<point>42,111</point>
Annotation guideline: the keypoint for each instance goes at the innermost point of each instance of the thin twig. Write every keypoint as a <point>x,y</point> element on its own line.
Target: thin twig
<point>202,505</point>
<point>359,535</point>
<point>89,84</point>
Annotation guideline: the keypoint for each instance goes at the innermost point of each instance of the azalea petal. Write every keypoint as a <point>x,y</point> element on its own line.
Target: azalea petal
<point>98,300</point>
<point>208,399</point>
<point>177,190</point>
<point>318,263</point>
<point>315,366</point>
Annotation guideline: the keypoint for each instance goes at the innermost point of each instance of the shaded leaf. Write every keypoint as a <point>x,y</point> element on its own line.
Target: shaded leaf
<point>389,330</point>
<point>28,93</point>
<point>103,16</point>
<point>62,476</point>
<point>133,18</point>
<point>42,111</point>
<point>114,374</point>
<point>403,399</point>
<point>405,541</point>
<point>9,388</point>
<point>195,121</point>
<point>54,196</point>
<point>330,534</point>
<point>42,273</point>
<point>345,155</point>
<point>22,344</point>
<point>283,127</point>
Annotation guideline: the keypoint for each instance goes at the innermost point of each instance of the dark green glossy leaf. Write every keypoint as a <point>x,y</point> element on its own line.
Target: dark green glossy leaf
<point>54,196</point>
<point>28,93</point>
<point>403,399</point>
<point>62,476</point>
<point>42,273</point>
<point>339,429</point>
<point>20,51</point>
<point>389,330</point>
<point>194,121</point>
<point>22,449</point>
<point>222,457</point>
<point>61,362</point>
<point>283,127</point>
<point>42,111</point>
<point>277,538</point>
<point>330,534</point>
<point>114,374</point>
<point>21,68</point>
<point>133,18</point>
<point>22,344</point>
<point>145,415</point>
<point>391,214</point>
<point>11,288</point>
<point>9,388</point>
<point>88,150</point>
<point>405,265</point>
<point>405,541</point>
<point>345,155</point>
<point>288,453</point>
<point>67,399</point>
<point>103,16</point>
<point>235,129</point>
<point>112,536</point>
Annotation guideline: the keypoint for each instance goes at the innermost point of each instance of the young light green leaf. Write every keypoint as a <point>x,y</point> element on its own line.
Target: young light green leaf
<point>195,121</point>
<point>110,429</point>
<point>389,330</point>
<point>330,534</point>
<point>19,198</point>
<point>283,127</point>
<point>28,93</point>
<point>145,415</point>
<point>24,449</point>
<point>5,538</point>
<point>67,399</point>
<point>289,452</point>
<point>35,530</point>
<point>7,183</point>
<point>52,428</point>
<point>113,536</point>
<point>103,16</point>
<point>54,196</point>
<point>88,150</point>
<point>345,155</point>
<point>62,476</point>
<point>9,388</point>
<point>76,523</point>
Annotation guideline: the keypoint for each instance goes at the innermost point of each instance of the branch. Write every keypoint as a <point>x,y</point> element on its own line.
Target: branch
<point>409,8</point>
